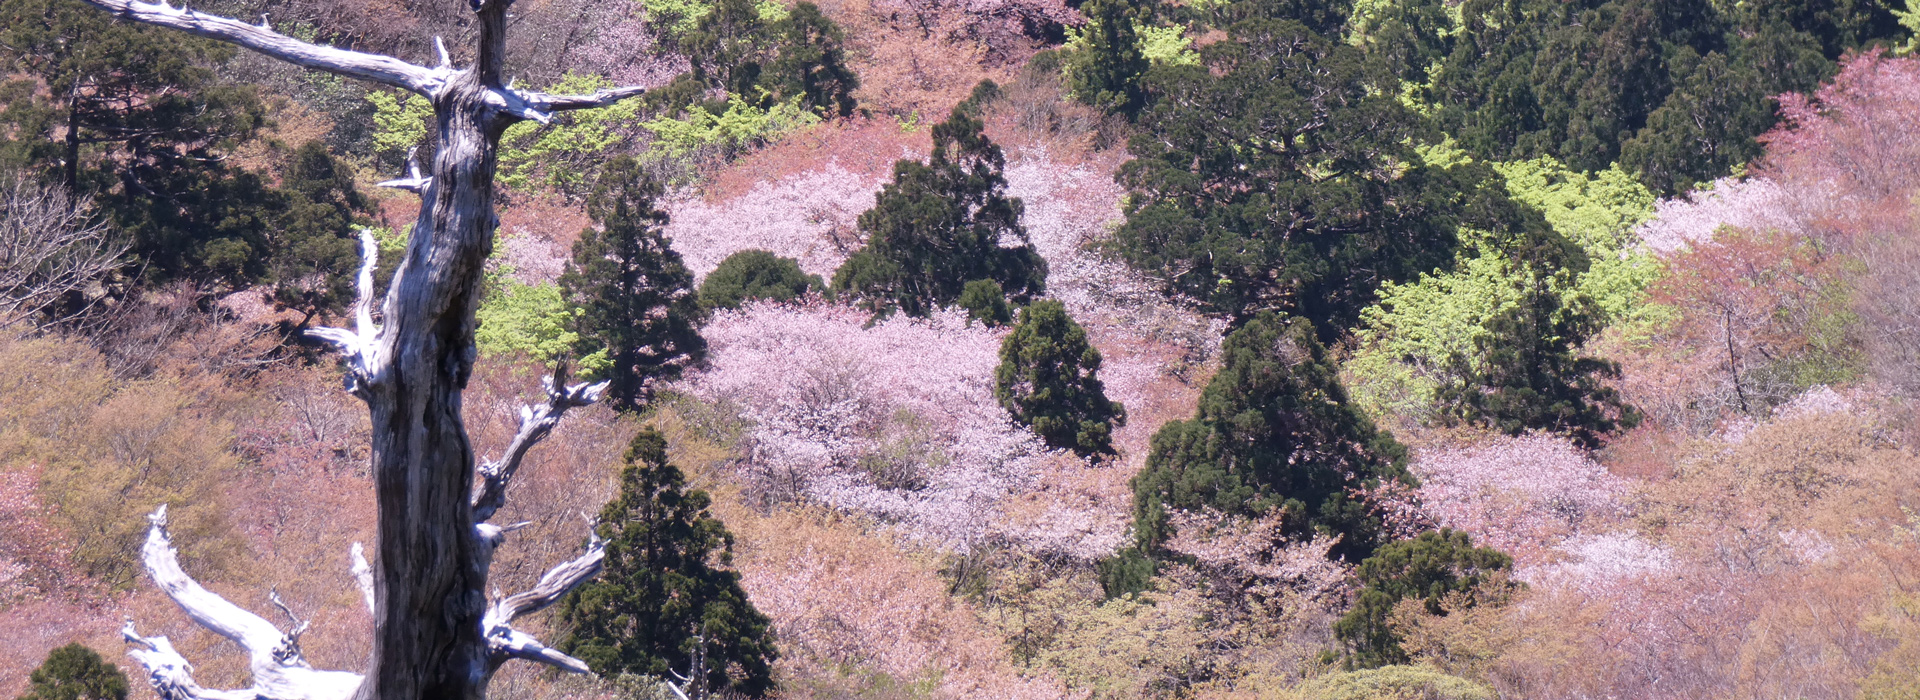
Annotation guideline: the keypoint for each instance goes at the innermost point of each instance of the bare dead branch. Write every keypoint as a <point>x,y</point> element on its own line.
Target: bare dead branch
<point>385,70</point>
<point>279,671</point>
<point>414,182</point>
<point>358,345</point>
<point>362,574</point>
<point>49,247</point>
<point>536,422</point>
<point>505,642</point>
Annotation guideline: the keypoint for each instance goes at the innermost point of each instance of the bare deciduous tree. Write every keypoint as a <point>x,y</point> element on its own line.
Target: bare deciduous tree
<point>436,635</point>
<point>49,247</point>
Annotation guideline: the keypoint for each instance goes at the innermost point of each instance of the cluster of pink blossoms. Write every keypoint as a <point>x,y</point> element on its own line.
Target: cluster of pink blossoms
<point>1522,495</point>
<point>809,217</point>
<point>896,419</point>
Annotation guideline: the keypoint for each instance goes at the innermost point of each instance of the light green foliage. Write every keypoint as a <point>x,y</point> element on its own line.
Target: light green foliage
<point>1141,645</point>
<point>771,10</point>
<point>563,155</point>
<point>741,126</point>
<point>399,123</point>
<point>677,17</point>
<point>1407,337</point>
<point>1391,683</point>
<point>1167,45</point>
<point>1162,45</point>
<point>533,320</point>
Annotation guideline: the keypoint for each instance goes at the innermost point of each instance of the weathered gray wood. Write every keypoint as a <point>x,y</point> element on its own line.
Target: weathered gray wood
<point>434,636</point>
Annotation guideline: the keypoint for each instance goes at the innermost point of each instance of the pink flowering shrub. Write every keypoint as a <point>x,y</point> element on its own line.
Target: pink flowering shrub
<point>896,420</point>
<point>1753,204</point>
<point>808,217</point>
<point>1522,495</point>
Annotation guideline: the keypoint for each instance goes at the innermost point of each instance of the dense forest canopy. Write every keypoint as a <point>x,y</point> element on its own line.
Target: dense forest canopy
<point>1170,349</point>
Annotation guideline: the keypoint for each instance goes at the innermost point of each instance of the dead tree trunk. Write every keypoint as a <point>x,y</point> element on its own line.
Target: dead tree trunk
<point>436,636</point>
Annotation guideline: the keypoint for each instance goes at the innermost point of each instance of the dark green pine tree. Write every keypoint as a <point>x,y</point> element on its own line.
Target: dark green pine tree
<point>1530,375</point>
<point>636,298</point>
<point>75,672</point>
<point>1281,175</point>
<point>1430,566</point>
<point>663,591</point>
<point>942,224</point>
<point>755,274</point>
<point>1049,379</point>
<point>315,255</point>
<point>1274,432</point>
<point>985,302</point>
<point>1109,72</point>
<point>135,117</point>
<point>811,62</point>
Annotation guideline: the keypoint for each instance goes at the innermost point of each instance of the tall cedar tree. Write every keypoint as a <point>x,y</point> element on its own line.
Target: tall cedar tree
<point>661,592</point>
<point>75,672</point>
<point>636,298</point>
<point>749,275</point>
<point>1274,432</point>
<point>1530,375</point>
<point>314,255</point>
<point>1049,379</point>
<point>135,117</point>
<point>1110,71</point>
<point>1428,567</point>
<point>1281,175</point>
<point>943,224</point>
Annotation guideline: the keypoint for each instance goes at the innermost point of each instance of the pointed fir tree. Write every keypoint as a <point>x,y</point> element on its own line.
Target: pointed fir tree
<point>1530,375</point>
<point>1049,379</point>
<point>1274,432</point>
<point>638,308</point>
<point>75,672</point>
<point>1430,568</point>
<point>942,224</point>
<point>664,596</point>
<point>1110,70</point>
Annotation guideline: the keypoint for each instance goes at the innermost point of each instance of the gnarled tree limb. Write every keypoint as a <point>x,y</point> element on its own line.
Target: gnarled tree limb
<point>505,642</point>
<point>279,671</point>
<point>536,422</point>
<point>385,70</point>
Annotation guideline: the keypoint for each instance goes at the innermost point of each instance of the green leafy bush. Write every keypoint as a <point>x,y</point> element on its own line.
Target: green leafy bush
<point>756,274</point>
<point>1430,567</point>
<point>75,672</point>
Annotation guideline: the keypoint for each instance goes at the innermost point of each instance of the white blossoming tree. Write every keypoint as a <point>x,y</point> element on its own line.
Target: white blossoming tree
<point>436,633</point>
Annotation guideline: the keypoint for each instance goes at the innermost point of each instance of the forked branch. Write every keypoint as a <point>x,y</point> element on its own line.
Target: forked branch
<point>504,642</point>
<point>536,422</point>
<point>279,671</point>
<point>358,345</point>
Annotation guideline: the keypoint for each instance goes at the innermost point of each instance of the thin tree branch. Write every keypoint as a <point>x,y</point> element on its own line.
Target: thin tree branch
<point>358,345</point>
<point>504,642</point>
<point>362,574</point>
<point>385,70</point>
<point>536,422</point>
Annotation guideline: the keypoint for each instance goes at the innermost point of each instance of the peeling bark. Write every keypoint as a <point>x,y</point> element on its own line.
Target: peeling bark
<point>435,634</point>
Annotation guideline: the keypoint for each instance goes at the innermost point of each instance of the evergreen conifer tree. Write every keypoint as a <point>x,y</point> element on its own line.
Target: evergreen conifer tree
<point>1049,379</point>
<point>755,274</point>
<point>1282,174</point>
<point>942,224</point>
<point>985,302</point>
<point>1274,430</point>
<point>663,598</point>
<point>75,672</point>
<point>1529,374</point>
<point>811,61</point>
<point>636,298</point>
<point>135,117</point>
<point>1110,70</point>
<point>1430,567</point>
<point>314,255</point>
